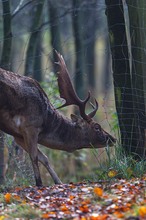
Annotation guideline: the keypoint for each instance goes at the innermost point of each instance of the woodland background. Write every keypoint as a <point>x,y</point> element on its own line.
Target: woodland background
<point>103,44</point>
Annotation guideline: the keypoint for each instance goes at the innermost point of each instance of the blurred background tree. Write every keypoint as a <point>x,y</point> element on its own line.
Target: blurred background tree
<point>5,62</point>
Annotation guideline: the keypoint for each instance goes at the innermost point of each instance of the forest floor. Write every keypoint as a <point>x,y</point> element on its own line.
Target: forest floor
<point>117,199</point>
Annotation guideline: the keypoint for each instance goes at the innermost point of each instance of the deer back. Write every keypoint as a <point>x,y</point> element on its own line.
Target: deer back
<point>21,99</point>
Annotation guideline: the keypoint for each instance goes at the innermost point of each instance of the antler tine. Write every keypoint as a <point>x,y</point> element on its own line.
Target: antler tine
<point>92,114</point>
<point>83,106</point>
<point>66,88</point>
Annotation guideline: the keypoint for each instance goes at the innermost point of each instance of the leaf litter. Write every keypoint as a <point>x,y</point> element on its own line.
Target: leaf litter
<point>123,199</point>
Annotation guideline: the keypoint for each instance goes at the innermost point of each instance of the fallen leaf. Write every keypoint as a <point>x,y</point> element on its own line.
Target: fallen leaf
<point>142,211</point>
<point>84,208</point>
<point>118,214</point>
<point>45,216</point>
<point>17,197</point>
<point>48,215</point>
<point>98,191</point>
<point>99,217</point>
<point>112,173</point>
<point>71,197</point>
<point>83,218</point>
<point>64,208</point>
<point>8,197</point>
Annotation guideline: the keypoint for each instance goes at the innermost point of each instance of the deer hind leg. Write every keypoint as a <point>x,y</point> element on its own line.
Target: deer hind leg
<point>44,160</point>
<point>30,137</point>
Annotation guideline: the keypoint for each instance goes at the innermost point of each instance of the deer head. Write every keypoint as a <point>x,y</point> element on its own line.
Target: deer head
<point>94,133</point>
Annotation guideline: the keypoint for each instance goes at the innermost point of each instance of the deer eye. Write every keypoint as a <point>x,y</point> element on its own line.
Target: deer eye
<point>97,127</point>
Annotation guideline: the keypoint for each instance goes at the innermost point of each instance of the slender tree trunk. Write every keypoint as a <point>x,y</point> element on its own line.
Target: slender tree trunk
<point>7,43</point>
<point>107,73</point>
<point>138,43</point>
<point>79,51</point>
<point>5,63</point>
<point>122,77</point>
<point>37,71</point>
<point>54,30</point>
<point>89,18</point>
<point>34,37</point>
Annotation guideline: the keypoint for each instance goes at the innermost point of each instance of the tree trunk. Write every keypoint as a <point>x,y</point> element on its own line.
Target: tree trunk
<point>34,37</point>
<point>5,63</point>
<point>138,43</point>
<point>123,84</point>
<point>89,18</point>
<point>78,36</point>
<point>37,71</point>
<point>7,43</point>
<point>54,30</point>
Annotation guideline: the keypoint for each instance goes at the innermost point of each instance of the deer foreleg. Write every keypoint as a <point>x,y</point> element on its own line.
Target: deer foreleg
<point>44,160</point>
<point>34,160</point>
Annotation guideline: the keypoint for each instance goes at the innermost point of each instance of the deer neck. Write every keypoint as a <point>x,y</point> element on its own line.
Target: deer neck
<point>62,134</point>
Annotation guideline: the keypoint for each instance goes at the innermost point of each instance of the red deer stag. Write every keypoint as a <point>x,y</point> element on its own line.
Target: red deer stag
<point>27,114</point>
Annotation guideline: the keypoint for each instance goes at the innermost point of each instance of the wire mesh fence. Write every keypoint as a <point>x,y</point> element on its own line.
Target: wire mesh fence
<point>127,26</point>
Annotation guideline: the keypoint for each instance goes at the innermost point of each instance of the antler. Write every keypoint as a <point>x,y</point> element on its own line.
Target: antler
<point>68,93</point>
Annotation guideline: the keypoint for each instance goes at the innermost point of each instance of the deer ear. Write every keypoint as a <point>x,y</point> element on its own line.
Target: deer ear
<point>74,118</point>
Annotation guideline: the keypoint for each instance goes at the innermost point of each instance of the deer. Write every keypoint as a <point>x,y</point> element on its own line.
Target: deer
<point>27,114</point>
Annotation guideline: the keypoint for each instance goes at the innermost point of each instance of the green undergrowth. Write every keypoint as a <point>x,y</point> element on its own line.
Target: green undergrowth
<point>24,211</point>
<point>119,165</point>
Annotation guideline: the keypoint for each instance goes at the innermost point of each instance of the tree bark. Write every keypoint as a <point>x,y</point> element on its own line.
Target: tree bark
<point>7,32</point>
<point>89,18</point>
<point>138,43</point>
<point>37,71</point>
<point>54,30</point>
<point>79,50</point>
<point>34,37</point>
<point>123,84</point>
